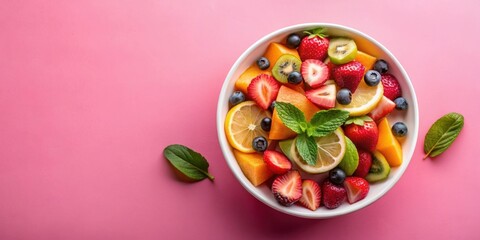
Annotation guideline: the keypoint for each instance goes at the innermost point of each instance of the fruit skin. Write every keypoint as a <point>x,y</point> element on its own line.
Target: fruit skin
<point>263,90</point>
<point>337,176</point>
<point>388,145</point>
<point>253,167</point>
<point>401,103</point>
<point>399,129</point>
<point>293,40</point>
<point>344,96</point>
<point>314,72</point>
<point>266,124</point>
<point>275,51</point>
<point>391,87</point>
<point>333,195</point>
<point>313,47</point>
<point>287,188</point>
<point>260,144</point>
<point>381,66</point>
<point>364,163</point>
<point>323,97</point>
<point>277,162</point>
<point>311,195</point>
<point>263,63</point>
<point>236,98</point>
<point>295,78</point>
<point>349,75</point>
<point>383,108</point>
<point>380,168</point>
<point>363,136</point>
<point>372,78</point>
<point>357,189</point>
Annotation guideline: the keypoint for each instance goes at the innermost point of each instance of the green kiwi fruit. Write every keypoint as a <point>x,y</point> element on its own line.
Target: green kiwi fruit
<point>342,50</point>
<point>285,64</point>
<point>379,169</point>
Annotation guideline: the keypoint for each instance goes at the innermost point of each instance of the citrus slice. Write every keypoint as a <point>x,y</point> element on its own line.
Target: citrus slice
<point>242,125</point>
<point>364,100</point>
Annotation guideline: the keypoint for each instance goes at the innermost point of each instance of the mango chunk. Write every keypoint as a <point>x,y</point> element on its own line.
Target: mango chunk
<point>253,167</point>
<point>366,60</point>
<point>275,50</point>
<point>246,78</point>
<point>388,145</point>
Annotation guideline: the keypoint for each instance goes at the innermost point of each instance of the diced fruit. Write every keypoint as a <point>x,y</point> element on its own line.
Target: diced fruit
<point>263,63</point>
<point>391,87</point>
<point>330,67</point>
<point>349,75</point>
<point>311,194</point>
<point>324,96</point>
<point>380,168</point>
<point>372,78</point>
<point>342,50</point>
<point>364,100</point>
<point>279,131</point>
<point>246,78</point>
<point>277,162</point>
<point>314,45</point>
<point>401,103</point>
<point>399,129</point>
<point>266,124</point>
<point>284,66</point>
<point>333,195</point>
<point>236,98</point>
<point>260,144</point>
<point>253,167</point>
<point>384,107</point>
<point>295,78</point>
<point>337,176</point>
<point>349,162</point>
<point>287,188</point>
<point>388,145</point>
<point>293,40</point>
<point>381,66</point>
<point>275,51</point>
<point>363,133</point>
<point>314,72</point>
<point>357,189</point>
<point>344,96</point>
<point>366,60</point>
<point>242,125</point>
<point>364,163</point>
<point>263,90</point>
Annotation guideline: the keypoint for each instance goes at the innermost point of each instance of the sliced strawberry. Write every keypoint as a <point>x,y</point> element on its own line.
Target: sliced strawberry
<point>276,162</point>
<point>384,107</point>
<point>324,97</point>
<point>311,194</point>
<point>330,67</point>
<point>364,163</point>
<point>287,188</point>
<point>332,195</point>
<point>391,87</point>
<point>349,75</point>
<point>357,188</point>
<point>263,90</point>
<point>314,72</point>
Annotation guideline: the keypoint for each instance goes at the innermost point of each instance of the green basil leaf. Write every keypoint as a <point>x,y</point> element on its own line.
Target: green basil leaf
<point>307,148</point>
<point>291,116</point>
<point>442,134</point>
<point>326,121</point>
<point>188,162</point>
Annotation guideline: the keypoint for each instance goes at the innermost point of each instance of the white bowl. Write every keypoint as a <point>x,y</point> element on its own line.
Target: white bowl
<point>363,41</point>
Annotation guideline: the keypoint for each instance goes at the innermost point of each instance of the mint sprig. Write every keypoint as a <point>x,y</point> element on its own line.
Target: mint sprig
<point>323,123</point>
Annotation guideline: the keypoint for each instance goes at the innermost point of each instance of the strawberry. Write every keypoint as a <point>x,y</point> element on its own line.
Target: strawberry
<point>276,162</point>
<point>314,72</point>
<point>263,90</point>
<point>324,97</point>
<point>314,46</point>
<point>364,163</point>
<point>363,132</point>
<point>349,75</point>
<point>384,107</point>
<point>287,188</point>
<point>391,87</point>
<point>311,195</point>
<point>332,195</point>
<point>330,67</point>
<point>357,188</point>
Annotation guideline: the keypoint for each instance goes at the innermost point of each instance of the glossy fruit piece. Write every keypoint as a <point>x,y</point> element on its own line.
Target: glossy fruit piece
<point>399,129</point>
<point>364,163</point>
<point>372,78</point>
<point>247,76</point>
<point>357,189</point>
<point>344,96</point>
<point>381,66</point>
<point>266,124</point>
<point>337,176</point>
<point>380,168</point>
<point>391,87</point>
<point>323,97</point>
<point>311,195</point>
<point>278,130</point>
<point>342,50</point>
<point>275,51</point>
<point>260,144</point>
<point>295,78</point>
<point>364,136</point>
<point>293,40</point>
<point>263,90</point>
<point>277,162</point>
<point>383,108</point>
<point>350,160</point>
<point>253,167</point>
<point>388,145</point>
<point>285,65</point>
<point>364,100</point>
<point>236,98</point>
<point>349,75</point>
<point>263,63</point>
<point>314,72</point>
<point>366,60</point>
<point>287,188</point>
<point>333,195</point>
<point>401,103</point>
<point>314,45</point>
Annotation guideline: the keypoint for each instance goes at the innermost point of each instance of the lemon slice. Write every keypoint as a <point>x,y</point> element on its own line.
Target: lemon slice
<point>364,100</point>
<point>242,125</point>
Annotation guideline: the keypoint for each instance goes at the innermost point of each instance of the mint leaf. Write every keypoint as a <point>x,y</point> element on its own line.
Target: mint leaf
<point>442,134</point>
<point>188,162</point>
<point>307,148</point>
<point>326,121</point>
<point>291,116</point>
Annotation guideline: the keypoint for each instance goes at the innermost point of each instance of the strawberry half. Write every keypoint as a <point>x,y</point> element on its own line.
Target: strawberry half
<point>314,72</point>
<point>314,45</point>
<point>276,162</point>
<point>287,188</point>
<point>332,195</point>
<point>363,132</point>
<point>349,75</point>
<point>311,195</point>
<point>391,87</point>
<point>364,163</point>
<point>263,90</point>
<point>324,97</point>
<point>384,107</point>
<point>357,188</point>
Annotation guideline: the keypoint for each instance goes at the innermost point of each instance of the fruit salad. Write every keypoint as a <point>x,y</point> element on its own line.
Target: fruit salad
<point>309,119</point>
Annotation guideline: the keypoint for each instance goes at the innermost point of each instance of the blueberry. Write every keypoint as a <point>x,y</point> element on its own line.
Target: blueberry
<point>236,98</point>
<point>372,78</point>
<point>272,106</point>
<point>381,66</point>
<point>263,63</point>
<point>337,176</point>
<point>401,103</point>
<point>293,40</point>
<point>266,124</point>
<point>260,144</point>
<point>399,129</point>
<point>295,78</point>
<point>344,96</point>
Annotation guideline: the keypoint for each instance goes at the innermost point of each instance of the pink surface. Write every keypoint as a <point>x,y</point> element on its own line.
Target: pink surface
<point>92,91</point>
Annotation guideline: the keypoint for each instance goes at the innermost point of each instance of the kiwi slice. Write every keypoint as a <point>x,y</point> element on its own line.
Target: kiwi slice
<point>285,64</point>
<point>379,169</point>
<point>342,50</point>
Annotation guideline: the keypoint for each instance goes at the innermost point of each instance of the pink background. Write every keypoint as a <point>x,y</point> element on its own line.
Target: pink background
<point>92,91</point>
